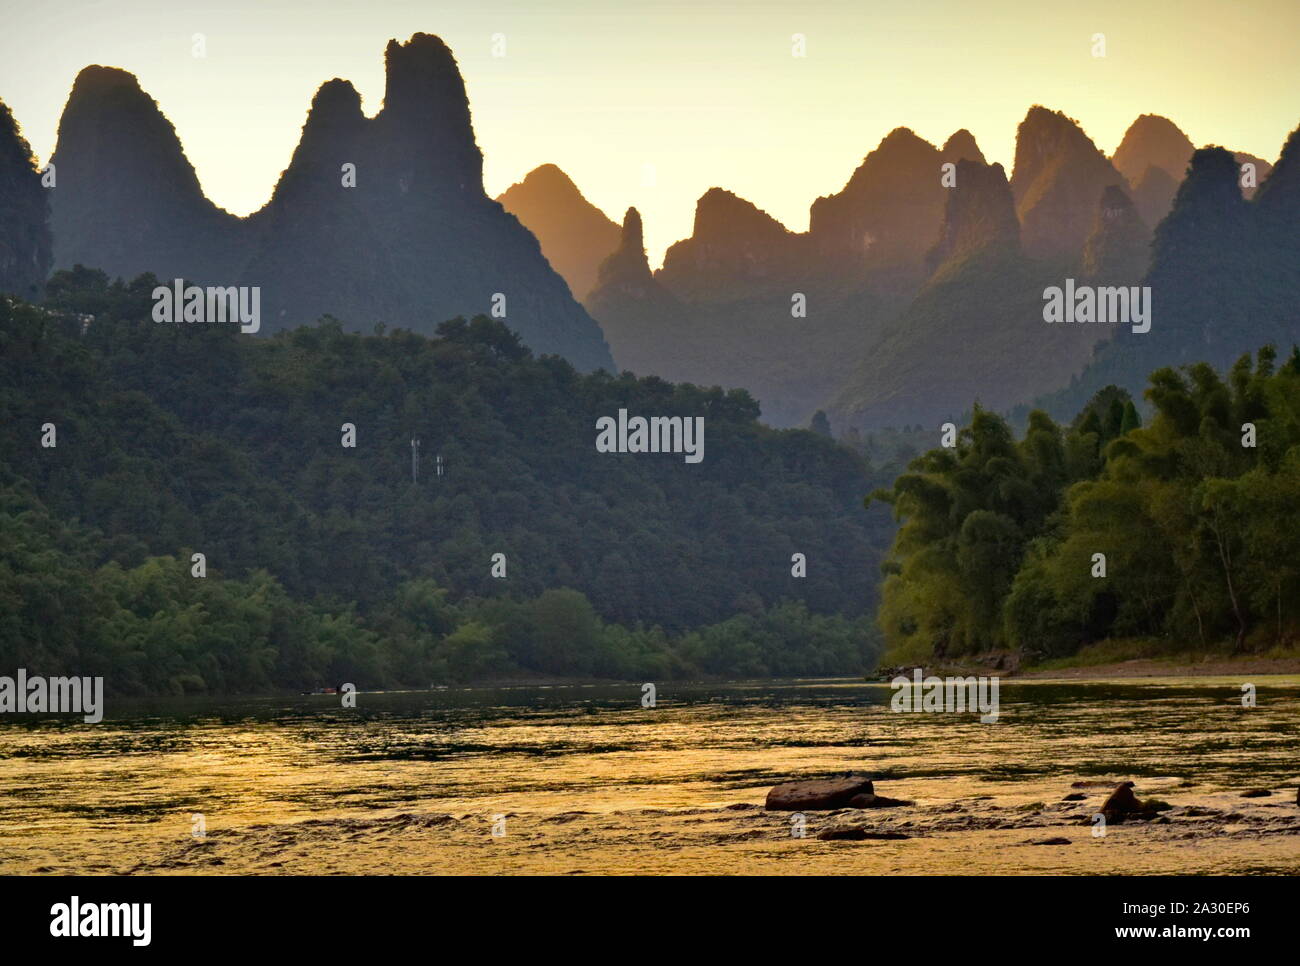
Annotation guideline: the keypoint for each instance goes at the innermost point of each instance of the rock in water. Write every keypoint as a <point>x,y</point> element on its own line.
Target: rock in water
<point>818,795</point>
<point>1123,803</point>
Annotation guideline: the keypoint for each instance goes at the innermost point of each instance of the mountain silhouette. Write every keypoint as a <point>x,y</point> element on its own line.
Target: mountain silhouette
<point>379,219</point>
<point>886,218</point>
<point>1224,277</point>
<point>1058,179</point>
<point>735,250</point>
<point>127,199</point>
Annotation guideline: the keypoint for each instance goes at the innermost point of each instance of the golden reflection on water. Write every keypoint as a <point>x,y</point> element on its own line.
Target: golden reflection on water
<point>120,796</point>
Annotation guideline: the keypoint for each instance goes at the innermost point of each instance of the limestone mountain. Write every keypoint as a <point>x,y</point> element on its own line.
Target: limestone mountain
<point>980,212</point>
<point>887,217</point>
<point>1118,249</point>
<point>575,235</point>
<point>961,146</point>
<point>735,250</point>
<point>1153,157</point>
<point>974,332</point>
<point>379,219</point>
<point>1153,140</point>
<point>750,337</point>
<point>24,214</point>
<point>1059,178</point>
<point>1224,277</point>
<point>126,199</point>
<point>646,325</point>
<point>1153,194</point>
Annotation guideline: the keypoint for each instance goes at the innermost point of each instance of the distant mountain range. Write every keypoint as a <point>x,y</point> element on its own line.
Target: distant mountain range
<point>922,295</point>
<point>916,291</point>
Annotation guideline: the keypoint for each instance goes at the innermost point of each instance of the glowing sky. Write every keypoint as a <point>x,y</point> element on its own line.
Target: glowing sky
<point>652,103</point>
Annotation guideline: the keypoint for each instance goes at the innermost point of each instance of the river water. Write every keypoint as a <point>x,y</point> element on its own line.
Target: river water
<point>583,779</point>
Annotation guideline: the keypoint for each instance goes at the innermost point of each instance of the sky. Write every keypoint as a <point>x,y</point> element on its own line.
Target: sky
<point>652,103</point>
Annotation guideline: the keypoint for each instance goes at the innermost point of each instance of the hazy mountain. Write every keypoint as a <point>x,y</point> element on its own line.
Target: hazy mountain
<point>750,336</point>
<point>575,235</point>
<point>405,235</point>
<point>1058,180</point>
<point>1224,277</point>
<point>1153,140</point>
<point>1118,249</point>
<point>1153,157</point>
<point>1153,194</point>
<point>647,327</point>
<point>961,146</point>
<point>24,214</point>
<point>979,213</point>
<point>735,251</point>
<point>887,217</point>
<point>975,332</point>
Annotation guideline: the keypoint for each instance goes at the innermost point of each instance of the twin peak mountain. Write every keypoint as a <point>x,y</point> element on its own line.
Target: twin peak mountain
<point>414,242</point>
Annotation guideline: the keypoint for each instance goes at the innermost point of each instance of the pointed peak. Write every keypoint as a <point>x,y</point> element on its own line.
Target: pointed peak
<point>632,233</point>
<point>1042,121</point>
<point>96,79</point>
<point>1209,190</point>
<point>962,146</point>
<point>902,135</point>
<point>628,265</point>
<point>1152,140</point>
<point>549,174</point>
<point>1155,124</point>
<point>721,213</point>
<point>421,71</point>
<point>336,102</point>
<point>979,213</point>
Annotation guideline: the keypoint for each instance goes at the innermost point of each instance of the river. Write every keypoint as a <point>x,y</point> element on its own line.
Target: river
<point>583,779</point>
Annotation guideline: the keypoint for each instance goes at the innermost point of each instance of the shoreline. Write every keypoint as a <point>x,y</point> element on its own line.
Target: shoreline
<point>1166,667</point>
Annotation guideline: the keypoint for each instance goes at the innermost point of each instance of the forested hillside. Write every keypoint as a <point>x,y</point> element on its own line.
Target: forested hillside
<point>328,563</point>
<point>1181,533</point>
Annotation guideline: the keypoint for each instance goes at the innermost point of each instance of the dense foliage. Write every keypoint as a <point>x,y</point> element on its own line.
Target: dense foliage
<point>328,563</point>
<point>1197,525</point>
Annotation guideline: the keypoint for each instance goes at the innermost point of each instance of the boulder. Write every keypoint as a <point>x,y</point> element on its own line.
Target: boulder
<point>1122,803</point>
<point>1256,793</point>
<point>819,795</point>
